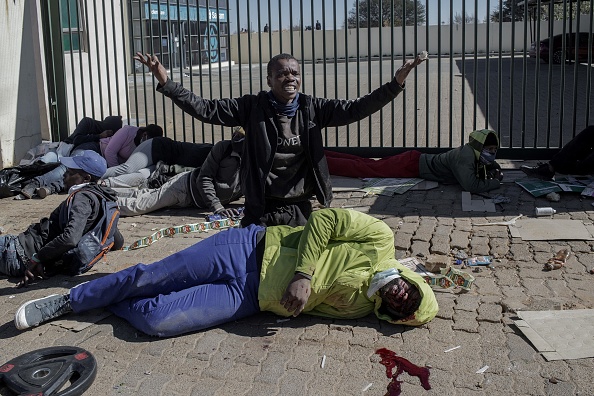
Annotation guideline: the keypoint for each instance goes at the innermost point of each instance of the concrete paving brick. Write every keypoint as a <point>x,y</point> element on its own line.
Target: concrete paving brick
<point>536,287</point>
<point>420,248</point>
<point>440,244</point>
<point>423,233</point>
<point>486,286</point>
<point>489,313</point>
<point>467,302</point>
<point>407,228</point>
<point>465,321</point>
<point>499,247</point>
<point>460,239</point>
<point>519,251</point>
<point>479,246</point>
<point>402,241</point>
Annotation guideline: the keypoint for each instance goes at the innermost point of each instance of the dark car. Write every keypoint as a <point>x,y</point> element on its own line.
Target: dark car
<point>584,47</point>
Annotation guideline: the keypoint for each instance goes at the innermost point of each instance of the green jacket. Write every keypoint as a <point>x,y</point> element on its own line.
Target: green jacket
<point>342,250</point>
<point>461,165</point>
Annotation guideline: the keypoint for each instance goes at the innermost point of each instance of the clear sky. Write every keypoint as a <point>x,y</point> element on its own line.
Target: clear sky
<point>335,9</point>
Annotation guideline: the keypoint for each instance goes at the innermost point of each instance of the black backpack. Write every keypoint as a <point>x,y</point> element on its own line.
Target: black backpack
<point>97,241</point>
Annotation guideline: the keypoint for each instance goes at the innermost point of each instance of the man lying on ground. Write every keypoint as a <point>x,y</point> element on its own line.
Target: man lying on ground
<point>213,185</point>
<point>575,158</point>
<point>46,247</point>
<point>340,265</point>
<point>472,165</point>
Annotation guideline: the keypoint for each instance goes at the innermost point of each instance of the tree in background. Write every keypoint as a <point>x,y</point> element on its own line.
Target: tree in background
<point>558,11</point>
<point>508,12</point>
<point>381,14</point>
<point>459,20</point>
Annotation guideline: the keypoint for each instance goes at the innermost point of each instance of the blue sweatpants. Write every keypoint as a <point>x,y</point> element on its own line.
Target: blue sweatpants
<point>212,282</point>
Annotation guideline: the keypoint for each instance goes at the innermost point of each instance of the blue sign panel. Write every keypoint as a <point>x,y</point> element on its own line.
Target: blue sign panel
<point>206,15</point>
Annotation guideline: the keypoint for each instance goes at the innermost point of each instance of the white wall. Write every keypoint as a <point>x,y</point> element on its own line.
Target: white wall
<point>95,69</point>
<point>23,103</point>
<point>433,48</point>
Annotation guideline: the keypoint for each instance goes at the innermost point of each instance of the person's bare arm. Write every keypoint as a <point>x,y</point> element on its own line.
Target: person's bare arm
<point>153,64</point>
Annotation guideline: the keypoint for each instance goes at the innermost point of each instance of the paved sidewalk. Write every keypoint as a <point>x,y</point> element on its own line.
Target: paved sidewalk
<point>264,356</point>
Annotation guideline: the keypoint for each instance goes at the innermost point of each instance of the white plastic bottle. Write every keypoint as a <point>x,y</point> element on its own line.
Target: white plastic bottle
<point>545,211</point>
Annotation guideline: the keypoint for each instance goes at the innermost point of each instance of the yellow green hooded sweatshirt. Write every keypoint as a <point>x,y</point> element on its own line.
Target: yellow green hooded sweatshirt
<point>341,249</point>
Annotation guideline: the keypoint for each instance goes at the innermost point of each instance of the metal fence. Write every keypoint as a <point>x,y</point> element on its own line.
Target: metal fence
<point>479,75</point>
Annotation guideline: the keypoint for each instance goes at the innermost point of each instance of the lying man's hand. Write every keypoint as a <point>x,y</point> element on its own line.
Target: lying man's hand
<point>229,213</point>
<point>33,271</point>
<point>297,294</point>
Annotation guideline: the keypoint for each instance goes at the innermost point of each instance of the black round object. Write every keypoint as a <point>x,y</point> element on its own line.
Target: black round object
<point>46,372</point>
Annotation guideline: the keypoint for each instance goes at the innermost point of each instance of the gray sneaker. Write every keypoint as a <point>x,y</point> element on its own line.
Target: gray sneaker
<point>35,312</point>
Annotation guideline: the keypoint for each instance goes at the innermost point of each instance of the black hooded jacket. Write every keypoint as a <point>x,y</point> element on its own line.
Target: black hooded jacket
<point>258,118</point>
<point>50,240</point>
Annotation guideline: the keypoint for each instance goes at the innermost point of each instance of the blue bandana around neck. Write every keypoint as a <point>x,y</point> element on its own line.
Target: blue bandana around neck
<point>287,110</point>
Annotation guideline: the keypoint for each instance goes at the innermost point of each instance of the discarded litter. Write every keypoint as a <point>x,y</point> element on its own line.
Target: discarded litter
<point>478,260</point>
<point>548,211</point>
<point>451,349</point>
<point>482,370</point>
<point>282,320</point>
<point>509,222</point>
<point>553,197</point>
<point>557,261</point>
<point>477,269</point>
<point>323,361</point>
<point>367,387</point>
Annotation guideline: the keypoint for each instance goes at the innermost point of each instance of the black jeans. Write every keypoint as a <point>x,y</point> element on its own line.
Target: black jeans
<point>577,156</point>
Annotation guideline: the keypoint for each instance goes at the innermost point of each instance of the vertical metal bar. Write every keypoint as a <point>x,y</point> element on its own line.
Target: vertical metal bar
<point>590,60</point>
<point>259,44</point>
<point>575,68</point>
<point>550,74</point>
<point>181,63</point>
<point>512,76</point>
<point>160,31</point>
<point>208,48</point>
<point>135,84</point>
<point>115,57</point>
<point>313,50</point>
<point>381,61</point>
<point>270,29</point>
<point>358,65</point>
<point>537,76</point>
<point>416,99</point>
<point>487,66</point>
<point>189,59</point>
<point>229,45</point>
<point>108,77</point>
<point>427,92</point>
<point>171,65</point>
<point>99,76</point>
<point>239,60</point>
<point>475,67</point>
<point>291,26</point>
<point>369,82</point>
<point>451,75</point>
<point>499,67</point>
<point>439,74</point>
<point>89,63</point>
<point>79,14</point>
<point>562,87</point>
<point>403,60</point>
<point>392,72</point>
<point>249,42</point>
<point>324,65</point>
<point>463,72</point>
<point>280,28</point>
<point>142,49</point>
<point>125,56</point>
<point>302,44</point>
<point>69,21</point>
<point>152,51</point>
<point>346,65</point>
<point>525,73</point>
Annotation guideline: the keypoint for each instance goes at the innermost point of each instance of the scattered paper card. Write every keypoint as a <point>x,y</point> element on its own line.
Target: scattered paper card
<point>389,186</point>
<point>476,205</point>
<point>550,229</point>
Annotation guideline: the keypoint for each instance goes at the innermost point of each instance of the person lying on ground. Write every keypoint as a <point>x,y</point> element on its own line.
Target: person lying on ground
<point>141,163</point>
<point>340,265</point>
<point>472,165</point>
<point>91,135</point>
<point>213,185</point>
<point>575,158</point>
<point>283,165</point>
<point>39,249</point>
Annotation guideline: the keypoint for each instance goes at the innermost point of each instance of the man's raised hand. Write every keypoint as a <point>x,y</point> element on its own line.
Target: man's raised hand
<point>153,64</point>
